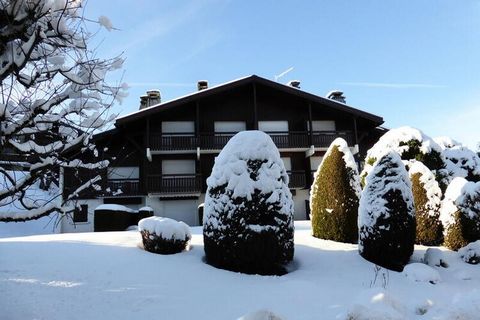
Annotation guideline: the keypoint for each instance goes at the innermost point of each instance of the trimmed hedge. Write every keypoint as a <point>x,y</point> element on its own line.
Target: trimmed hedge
<point>461,213</point>
<point>248,225</point>
<point>387,215</point>
<point>333,201</point>
<point>157,244</point>
<point>429,230</point>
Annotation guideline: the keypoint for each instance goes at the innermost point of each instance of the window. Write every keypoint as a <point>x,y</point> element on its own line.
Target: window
<point>123,173</point>
<point>81,214</point>
<point>178,127</point>
<point>273,126</point>
<point>178,167</point>
<point>230,126</point>
<point>322,125</point>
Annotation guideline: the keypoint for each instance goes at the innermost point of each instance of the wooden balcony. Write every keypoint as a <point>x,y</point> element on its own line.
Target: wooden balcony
<point>123,187</point>
<point>174,184</point>
<point>297,179</point>
<point>216,141</point>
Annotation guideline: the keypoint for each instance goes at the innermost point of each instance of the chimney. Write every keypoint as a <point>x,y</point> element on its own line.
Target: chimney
<point>294,84</point>
<point>202,85</point>
<point>143,102</point>
<point>336,95</point>
<point>151,98</point>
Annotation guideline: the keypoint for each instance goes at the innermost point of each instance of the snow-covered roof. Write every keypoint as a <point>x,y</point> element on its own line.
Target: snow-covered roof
<point>242,81</point>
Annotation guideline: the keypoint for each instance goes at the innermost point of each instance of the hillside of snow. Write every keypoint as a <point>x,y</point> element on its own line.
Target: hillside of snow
<point>108,276</point>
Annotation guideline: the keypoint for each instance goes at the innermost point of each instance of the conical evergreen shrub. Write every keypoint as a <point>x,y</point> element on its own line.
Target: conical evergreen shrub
<point>248,221</point>
<point>460,213</point>
<point>386,218</point>
<point>427,200</point>
<point>335,194</point>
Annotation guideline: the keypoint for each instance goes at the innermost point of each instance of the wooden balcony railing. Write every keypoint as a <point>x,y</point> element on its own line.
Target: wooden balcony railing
<point>216,141</point>
<point>173,141</point>
<point>297,179</point>
<point>323,139</point>
<point>174,183</point>
<point>124,187</point>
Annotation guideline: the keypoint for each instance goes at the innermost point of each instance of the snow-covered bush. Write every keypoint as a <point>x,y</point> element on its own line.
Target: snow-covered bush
<point>460,213</point>
<point>410,144</point>
<point>434,257</point>
<point>386,217</point>
<point>335,194</point>
<point>427,200</point>
<point>471,252</point>
<point>462,162</point>
<point>164,235</point>
<point>445,142</point>
<point>248,222</point>
<point>376,304</point>
<point>420,272</point>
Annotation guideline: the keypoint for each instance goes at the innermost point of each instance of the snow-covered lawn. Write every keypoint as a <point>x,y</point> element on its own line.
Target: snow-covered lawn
<point>108,276</point>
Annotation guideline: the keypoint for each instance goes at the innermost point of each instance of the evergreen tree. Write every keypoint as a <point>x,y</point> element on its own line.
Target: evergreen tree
<point>460,213</point>
<point>248,224</point>
<point>427,200</point>
<point>335,194</point>
<point>386,214</point>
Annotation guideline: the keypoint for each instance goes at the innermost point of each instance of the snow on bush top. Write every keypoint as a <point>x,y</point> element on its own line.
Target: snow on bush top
<point>471,252</point>
<point>165,228</point>
<point>146,208</point>
<point>350,163</point>
<point>434,194</point>
<point>461,162</point>
<point>396,139</point>
<point>231,169</point>
<point>459,192</point>
<point>379,181</point>
<point>420,272</point>
<point>445,142</point>
<point>114,207</point>
<point>393,139</point>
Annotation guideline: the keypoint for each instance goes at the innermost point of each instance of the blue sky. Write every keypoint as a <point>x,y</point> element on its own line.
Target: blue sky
<point>414,63</point>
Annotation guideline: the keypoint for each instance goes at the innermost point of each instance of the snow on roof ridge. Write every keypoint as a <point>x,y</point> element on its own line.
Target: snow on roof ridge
<point>184,96</point>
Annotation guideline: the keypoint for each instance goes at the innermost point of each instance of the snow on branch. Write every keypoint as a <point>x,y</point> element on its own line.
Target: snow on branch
<point>54,98</point>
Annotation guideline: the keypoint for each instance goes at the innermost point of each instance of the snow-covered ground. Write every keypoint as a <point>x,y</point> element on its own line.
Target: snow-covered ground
<point>108,276</point>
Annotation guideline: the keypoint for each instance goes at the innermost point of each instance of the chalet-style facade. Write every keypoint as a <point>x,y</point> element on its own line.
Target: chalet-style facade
<point>163,153</point>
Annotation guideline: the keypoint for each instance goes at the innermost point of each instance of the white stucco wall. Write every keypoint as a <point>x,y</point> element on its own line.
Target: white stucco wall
<point>299,203</point>
<point>67,224</point>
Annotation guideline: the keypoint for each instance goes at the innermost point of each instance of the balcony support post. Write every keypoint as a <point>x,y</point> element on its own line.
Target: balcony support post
<point>197,122</point>
<point>310,125</point>
<point>255,111</point>
<point>355,132</point>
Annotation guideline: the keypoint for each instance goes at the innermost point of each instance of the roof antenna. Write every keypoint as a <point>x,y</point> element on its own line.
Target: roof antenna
<point>282,74</point>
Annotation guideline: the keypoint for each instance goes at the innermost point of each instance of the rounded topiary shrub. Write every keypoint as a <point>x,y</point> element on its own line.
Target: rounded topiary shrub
<point>460,213</point>
<point>411,144</point>
<point>164,235</point>
<point>386,217</point>
<point>248,223</point>
<point>427,200</point>
<point>335,194</point>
